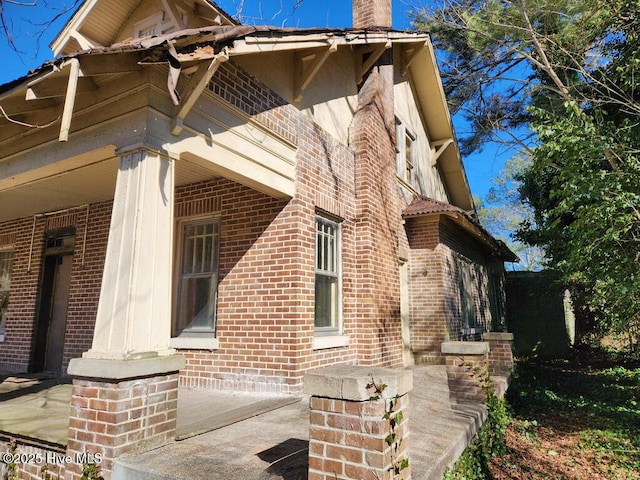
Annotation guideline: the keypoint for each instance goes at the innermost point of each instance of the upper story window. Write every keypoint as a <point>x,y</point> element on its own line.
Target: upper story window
<point>405,152</point>
<point>149,27</point>
<point>6,261</point>
<point>197,277</point>
<point>328,281</point>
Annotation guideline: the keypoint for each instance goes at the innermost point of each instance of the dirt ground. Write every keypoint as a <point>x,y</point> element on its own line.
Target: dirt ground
<point>573,421</point>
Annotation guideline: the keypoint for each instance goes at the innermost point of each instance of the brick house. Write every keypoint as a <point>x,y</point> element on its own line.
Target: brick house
<point>239,204</point>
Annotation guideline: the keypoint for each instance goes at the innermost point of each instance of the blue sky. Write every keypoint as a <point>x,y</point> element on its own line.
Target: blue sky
<point>311,13</point>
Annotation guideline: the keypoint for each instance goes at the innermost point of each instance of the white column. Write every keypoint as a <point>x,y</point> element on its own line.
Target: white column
<point>134,311</point>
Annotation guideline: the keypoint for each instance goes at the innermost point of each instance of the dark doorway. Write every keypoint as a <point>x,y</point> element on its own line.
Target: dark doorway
<point>51,322</point>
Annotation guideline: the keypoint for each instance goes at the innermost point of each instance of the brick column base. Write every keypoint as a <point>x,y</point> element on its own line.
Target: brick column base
<point>353,434</point>
<point>466,363</point>
<point>500,352</point>
<point>500,359</point>
<point>110,417</point>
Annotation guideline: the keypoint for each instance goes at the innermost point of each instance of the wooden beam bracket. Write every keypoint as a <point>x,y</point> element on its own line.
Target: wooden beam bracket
<point>409,55</point>
<point>69,100</point>
<point>198,82</point>
<point>307,67</point>
<point>440,147</point>
<point>367,58</point>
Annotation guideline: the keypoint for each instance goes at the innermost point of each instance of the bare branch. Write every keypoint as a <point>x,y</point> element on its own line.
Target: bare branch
<point>30,125</point>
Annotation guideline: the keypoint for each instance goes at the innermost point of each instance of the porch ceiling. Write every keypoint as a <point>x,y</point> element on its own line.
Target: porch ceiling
<point>87,184</point>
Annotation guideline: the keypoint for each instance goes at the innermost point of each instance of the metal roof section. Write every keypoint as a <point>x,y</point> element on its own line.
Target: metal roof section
<point>428,207</point>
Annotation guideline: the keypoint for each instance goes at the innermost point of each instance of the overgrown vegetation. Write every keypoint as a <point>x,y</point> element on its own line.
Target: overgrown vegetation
<point>573,419</point>
<point>559,80</point>
<point>474,463</point>
<point>393,418</point>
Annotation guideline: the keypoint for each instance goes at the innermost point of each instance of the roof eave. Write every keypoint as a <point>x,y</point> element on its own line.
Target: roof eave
<point>495,246</point>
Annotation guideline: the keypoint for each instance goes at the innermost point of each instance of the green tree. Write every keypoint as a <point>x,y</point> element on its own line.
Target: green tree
<point>568,70</point>
<point>502,212</point>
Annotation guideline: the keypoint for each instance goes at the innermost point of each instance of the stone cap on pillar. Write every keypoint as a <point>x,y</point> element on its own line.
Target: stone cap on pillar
<point>464,348</point>
<point>125,369</point>
<point>498,336</point>
<point>351,382</point>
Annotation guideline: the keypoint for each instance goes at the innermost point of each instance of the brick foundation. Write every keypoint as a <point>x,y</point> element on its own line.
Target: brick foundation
<point>349,434</point>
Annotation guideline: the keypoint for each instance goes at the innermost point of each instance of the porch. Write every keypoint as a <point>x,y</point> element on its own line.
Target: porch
<point>245,435</point>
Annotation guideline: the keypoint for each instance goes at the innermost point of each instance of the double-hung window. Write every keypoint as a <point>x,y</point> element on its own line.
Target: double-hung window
<point>197,278</point>
<point>327,288</point>
<point>405,152</point>
<point>6,260</point>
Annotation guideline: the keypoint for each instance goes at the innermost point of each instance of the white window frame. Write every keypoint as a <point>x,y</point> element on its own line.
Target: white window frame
<point>405,153</point>
<point>203,337</point>
<point>334,272</point>
<point>153,22</point>
<point>5,291</point>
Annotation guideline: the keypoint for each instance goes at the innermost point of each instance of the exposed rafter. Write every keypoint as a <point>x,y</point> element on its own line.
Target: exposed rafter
<point>94,65</point>
<point>199,80</point>
<point>307,66</point>
<point>367,57</point>
<point>57,87</point>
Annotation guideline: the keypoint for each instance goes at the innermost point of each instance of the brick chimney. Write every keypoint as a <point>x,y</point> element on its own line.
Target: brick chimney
<point>371,13</point>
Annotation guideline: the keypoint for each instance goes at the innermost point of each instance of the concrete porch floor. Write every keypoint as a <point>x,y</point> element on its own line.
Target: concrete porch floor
<point>241,436</point>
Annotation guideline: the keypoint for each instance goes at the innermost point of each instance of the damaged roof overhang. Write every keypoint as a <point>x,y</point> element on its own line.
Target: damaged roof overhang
<point>195,45</point>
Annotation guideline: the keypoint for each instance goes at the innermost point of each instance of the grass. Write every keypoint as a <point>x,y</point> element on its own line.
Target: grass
<point>573,419</point>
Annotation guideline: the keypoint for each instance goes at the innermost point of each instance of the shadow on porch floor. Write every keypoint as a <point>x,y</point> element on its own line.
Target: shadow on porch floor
<point>35,409</point>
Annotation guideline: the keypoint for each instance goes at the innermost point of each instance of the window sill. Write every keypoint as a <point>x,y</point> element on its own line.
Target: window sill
<point>194,343</point>
<point>320,342</point>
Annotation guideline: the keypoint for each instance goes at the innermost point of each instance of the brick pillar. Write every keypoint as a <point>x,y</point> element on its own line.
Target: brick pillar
<point>500,359</point>
<point>352,435</point>
<point>132,408</point>
<point>466,365</point>
<point>500,352</point>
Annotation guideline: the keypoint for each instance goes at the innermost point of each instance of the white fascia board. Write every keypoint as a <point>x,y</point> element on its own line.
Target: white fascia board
<point>72,25</point>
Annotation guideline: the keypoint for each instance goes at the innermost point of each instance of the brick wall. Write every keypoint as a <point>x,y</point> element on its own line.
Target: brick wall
<point>30,460</point>
<point>266,293</point>
<point>86,277</point>
<point>16,349</point>
<point>439,249</point>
